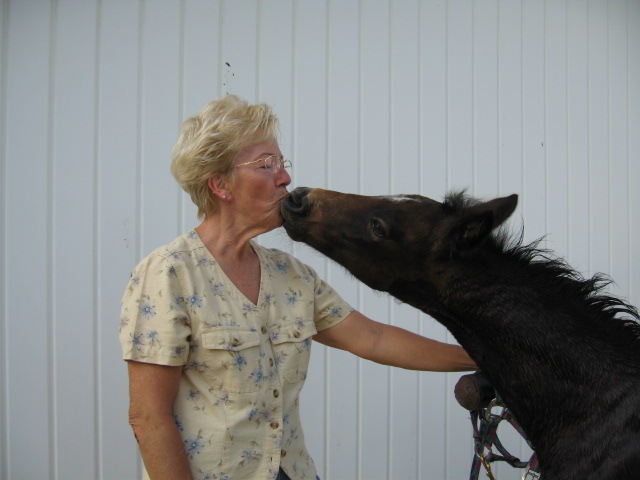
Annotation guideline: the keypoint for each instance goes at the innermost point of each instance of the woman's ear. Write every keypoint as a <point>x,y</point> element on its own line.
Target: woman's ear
<point>219,186</point>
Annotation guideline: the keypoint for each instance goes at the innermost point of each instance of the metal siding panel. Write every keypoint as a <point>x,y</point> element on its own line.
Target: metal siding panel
<point>598,140</point>
<point>201,67</point>
<point>633,80</point>
<point>460,78</point>
<point>73,199</point>
<point>161,88</point>
<point>556,126</point>
<point>239,48</point>
<point>578,134</point>
<point>118,223</point>
<point>510,97</point>
<point>27,359</point>
<point>485,98</point>
<point>618,133</point>
<point>533,113</point>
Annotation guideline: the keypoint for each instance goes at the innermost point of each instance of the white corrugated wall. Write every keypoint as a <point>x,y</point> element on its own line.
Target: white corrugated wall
<point>539,98</point>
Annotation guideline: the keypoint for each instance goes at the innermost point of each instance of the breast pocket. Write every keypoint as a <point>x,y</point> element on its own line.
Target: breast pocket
<point>292,347</point>
<point>232,360</point>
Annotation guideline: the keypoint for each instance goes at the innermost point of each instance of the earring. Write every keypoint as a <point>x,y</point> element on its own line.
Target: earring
<point>224,196</point>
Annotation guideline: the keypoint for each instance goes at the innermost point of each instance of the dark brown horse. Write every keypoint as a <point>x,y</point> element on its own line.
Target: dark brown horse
<point>564,355</point>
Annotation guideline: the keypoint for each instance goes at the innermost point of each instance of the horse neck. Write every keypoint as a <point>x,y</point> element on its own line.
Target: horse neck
<point>525,347</point>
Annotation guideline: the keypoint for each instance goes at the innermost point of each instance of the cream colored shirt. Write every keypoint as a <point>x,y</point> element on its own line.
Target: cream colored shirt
<point>243,364</point>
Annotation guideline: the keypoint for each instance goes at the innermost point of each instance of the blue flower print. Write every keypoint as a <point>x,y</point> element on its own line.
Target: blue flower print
<point>250,455</point>
<point>152,337</point>
<point>136,340</point>
<point>147,310</point>
<point>335,311</point>
<point>178,423</point>
<point>292,298</point>
<point>195,301</point>
<point>249,308</point>
<point>172,271</point>
<point>178,351</point>
<point>279,358</point>
<point>178,301</point>
<point>283,267</point>
<point>194,445</point>
<point>202,261</point>
<point>257,375</point>
<point>268,298</point>
<point>193,395</point>
<point>217,289</point>
<point>175,255</point>
<point>239,361</point>
<point>253,412</point>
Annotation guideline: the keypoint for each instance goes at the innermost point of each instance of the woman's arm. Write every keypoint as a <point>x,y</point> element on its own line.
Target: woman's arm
<point>152,390</point>
<point>394,346</point>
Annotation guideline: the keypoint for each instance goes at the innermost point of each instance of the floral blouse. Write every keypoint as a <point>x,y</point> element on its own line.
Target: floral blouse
<point>243,363</point>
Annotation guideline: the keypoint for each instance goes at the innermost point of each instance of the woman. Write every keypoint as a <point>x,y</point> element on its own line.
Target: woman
<point>217,330</point>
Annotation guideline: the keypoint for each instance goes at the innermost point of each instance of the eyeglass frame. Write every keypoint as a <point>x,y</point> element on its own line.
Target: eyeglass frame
<point>281,163</point>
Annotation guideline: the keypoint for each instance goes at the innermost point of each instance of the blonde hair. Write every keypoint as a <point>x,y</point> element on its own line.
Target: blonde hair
<point>210,141</point>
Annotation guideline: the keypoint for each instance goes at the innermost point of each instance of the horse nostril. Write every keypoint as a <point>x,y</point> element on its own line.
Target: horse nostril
<point>297,202</point>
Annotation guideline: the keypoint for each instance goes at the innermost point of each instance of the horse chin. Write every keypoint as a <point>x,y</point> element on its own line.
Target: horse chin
<point>295,232</point>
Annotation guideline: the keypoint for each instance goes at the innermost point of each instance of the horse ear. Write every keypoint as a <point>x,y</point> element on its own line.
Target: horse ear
<point>502,208</point>
<point>472,229</point>
<point>480,220</point>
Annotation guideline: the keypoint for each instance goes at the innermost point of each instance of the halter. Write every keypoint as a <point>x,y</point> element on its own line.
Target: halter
<point>475,393</point>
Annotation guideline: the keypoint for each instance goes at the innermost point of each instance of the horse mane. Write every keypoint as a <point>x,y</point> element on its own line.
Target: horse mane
<point>602,310</point>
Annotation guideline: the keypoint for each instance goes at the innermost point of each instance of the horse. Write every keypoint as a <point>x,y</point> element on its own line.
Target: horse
<point>563,354</point>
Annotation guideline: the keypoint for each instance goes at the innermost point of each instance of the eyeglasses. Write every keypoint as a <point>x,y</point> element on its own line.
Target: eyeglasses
<point>272,163</point>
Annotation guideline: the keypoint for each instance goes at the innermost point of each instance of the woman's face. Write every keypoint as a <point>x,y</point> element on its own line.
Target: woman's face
<point>257,192</point>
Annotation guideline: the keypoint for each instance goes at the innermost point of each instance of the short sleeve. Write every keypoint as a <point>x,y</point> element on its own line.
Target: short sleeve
<point>330,308</point>
<point>154,326</point>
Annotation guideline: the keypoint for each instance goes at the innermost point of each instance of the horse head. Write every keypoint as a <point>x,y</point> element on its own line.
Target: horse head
<point>407,236</point>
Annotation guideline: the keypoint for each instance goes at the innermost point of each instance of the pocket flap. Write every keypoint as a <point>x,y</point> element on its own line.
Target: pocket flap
<point>230,339</point>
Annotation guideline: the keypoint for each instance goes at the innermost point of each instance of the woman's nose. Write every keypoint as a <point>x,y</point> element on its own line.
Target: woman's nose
<point>283,177</point>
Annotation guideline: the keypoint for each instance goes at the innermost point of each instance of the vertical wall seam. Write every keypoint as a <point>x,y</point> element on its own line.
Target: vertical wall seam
<point>327,145</point>
<point>139,122</point>
<point>420,145</point>
<point>97,377</point>
<point>567,130</point>
<point>139,153</point>
<point>180,107</point>
<point>390,189</point>
<point>360,288</point>
<point>4,446</point>
<point>50,247</point>
<point>628,156</point>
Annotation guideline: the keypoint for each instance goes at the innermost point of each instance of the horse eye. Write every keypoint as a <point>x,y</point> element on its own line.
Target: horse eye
<point>377,227</point>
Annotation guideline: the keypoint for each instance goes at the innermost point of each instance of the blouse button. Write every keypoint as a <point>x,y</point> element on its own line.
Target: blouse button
<point>274,425</point>
<point>276,394</point>
<point>283,453</point>
<point>296,334</point>
<point>235,342</point>
<point>263,329</point>
<point>271,362</point>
